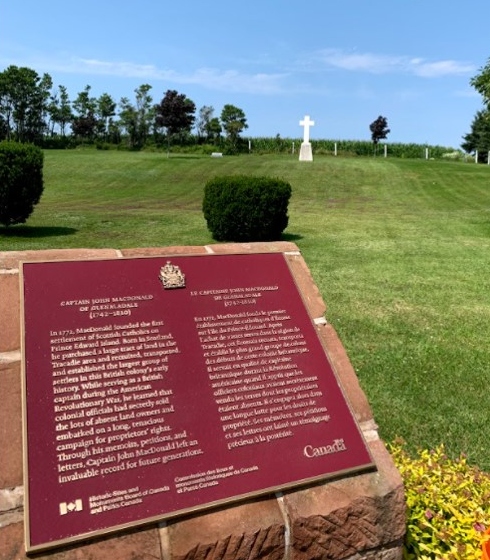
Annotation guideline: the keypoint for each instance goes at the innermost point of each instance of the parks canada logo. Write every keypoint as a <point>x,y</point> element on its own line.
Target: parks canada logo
<point>71,507</point>
<point>337,446</point>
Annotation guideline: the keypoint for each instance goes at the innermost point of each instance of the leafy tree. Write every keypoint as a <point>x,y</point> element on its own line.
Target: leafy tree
<point>136,119</point>
<point>213,130</point>
<point>3,127</point>
<point>84,123</point>
<point>24,97</point>
<point>175,113</point>
<point>478,139</point>
<point>6,105</point>
<point>37,114</point>
<point>59,110</point>
<point>21,181</point>
<point>84,103</point>
<point>208,127</point>
<point>205,115</point>
<point>84,127</point>
<point>53,108</point>
<point>379,129</point>
<point>106,108</point>
<point>65,114</point>
<point>202,125</point>
<point>114,132</point>
<point>128,121</point>
<point>234,121</point>
<point>481,82</point>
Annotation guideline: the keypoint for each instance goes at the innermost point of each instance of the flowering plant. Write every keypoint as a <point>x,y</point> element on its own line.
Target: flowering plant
<point>448,504</point>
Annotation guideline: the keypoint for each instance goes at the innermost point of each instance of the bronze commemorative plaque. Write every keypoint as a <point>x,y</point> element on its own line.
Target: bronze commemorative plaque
<point>159,386</point>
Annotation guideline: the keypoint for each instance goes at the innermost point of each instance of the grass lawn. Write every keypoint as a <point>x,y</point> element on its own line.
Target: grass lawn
<point>400,250</point>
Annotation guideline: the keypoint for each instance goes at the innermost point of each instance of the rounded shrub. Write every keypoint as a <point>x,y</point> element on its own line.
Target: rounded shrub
<point>21,181</point>
<point>448,505</point>
<point>246,208</point>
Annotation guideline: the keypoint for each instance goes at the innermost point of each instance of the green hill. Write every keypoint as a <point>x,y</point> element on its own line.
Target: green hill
<point>399,248</point>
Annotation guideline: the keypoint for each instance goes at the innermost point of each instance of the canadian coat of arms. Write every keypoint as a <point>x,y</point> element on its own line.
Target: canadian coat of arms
<point>172,277</point>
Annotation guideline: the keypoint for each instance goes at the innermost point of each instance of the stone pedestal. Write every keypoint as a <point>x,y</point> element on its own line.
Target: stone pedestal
<point>305,153</point>
<point>355,517</point>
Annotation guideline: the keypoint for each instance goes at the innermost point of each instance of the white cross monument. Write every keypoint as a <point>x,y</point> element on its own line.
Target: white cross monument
<point>305,153</point>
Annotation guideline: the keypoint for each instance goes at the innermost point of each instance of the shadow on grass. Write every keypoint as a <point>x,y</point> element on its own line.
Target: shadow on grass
<point>291,237</point>
<point>34,232</point>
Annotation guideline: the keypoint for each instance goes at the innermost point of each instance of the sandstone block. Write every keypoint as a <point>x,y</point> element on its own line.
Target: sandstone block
<point>246,531</point>
<point>12,259</point>
<point>127,546</point>
<point>350,515</point>
<point>345,372</point>
<point>256,247</point>
<point>9,310</point>
<point>11,472</point>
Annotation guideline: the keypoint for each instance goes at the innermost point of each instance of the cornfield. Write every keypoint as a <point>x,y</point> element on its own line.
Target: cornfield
<point>351,148</point>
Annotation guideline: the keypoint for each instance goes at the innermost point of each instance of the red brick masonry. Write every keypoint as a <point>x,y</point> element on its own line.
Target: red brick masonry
<point>359,517</point>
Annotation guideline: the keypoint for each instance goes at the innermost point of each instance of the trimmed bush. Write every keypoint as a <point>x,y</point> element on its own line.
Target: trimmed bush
<point>244,208</point>
<point>448,503</point>
<point>21,181</point>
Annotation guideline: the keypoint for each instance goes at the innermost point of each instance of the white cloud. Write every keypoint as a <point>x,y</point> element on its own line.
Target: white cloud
<point>441,68</point>
<point>210,78</point>
<point>232,80</point>
<point>367,62</point>
<point>229,80</point>
<point>121,69</point>
<point>383,64</point>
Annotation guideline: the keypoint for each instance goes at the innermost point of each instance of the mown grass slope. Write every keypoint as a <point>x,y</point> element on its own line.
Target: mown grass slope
<point>400,250</point>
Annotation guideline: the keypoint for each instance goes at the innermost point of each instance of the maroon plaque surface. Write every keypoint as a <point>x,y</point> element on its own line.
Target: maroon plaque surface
<point>159,386</point>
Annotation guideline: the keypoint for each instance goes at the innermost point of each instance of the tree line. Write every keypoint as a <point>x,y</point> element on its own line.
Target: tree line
<point>32,110</point>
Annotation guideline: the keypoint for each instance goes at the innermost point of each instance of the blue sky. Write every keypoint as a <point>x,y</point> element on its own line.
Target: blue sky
<point>342,63</point>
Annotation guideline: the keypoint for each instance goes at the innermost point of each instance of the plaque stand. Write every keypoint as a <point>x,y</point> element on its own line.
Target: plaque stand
<point>291,522</point>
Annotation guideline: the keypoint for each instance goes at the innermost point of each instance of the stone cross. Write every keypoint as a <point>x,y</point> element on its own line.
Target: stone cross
<point>306,122</point>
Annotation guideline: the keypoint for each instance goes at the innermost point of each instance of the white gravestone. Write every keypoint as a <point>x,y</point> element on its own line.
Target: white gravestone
<point>305,153</point>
